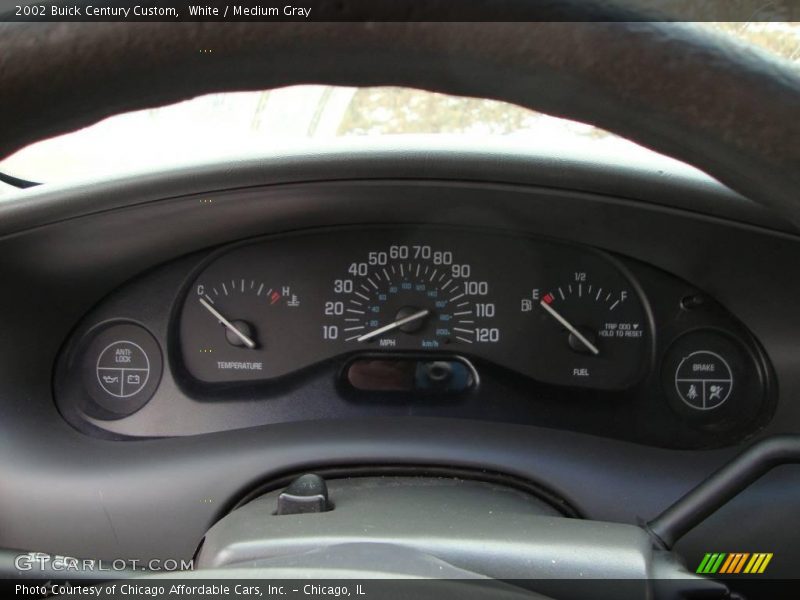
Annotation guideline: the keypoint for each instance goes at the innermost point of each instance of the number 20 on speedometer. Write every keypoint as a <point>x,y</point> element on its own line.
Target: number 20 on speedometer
<point>410,296</point>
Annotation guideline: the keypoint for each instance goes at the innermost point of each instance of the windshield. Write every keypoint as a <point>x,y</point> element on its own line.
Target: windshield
<point>234,125</point>
<point>227,125</point>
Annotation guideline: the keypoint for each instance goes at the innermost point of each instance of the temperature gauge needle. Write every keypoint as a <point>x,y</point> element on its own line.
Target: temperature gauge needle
<point>394,325</point>
<point>247,341</point>
<point>592,348</point>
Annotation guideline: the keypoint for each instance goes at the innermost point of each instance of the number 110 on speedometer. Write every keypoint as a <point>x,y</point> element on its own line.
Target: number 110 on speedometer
<point>410,296</point>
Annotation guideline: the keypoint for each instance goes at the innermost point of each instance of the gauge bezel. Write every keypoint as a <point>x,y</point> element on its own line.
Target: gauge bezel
<point>267,387</point>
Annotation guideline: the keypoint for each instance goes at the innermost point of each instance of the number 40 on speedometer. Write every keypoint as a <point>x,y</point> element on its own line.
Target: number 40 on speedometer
<point>410,296</point>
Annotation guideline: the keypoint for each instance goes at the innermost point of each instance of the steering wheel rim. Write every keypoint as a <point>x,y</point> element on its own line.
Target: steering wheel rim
<point>697,97</point>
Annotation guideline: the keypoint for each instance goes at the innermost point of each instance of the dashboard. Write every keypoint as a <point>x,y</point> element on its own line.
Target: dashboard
<point>103,288</point>
<point>423,320</point>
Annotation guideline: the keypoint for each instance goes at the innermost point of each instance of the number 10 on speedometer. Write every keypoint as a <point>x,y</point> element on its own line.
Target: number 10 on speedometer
<point>410,296</point>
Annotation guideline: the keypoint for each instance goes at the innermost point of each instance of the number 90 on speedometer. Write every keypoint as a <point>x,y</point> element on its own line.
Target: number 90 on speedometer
<point>408,297</point>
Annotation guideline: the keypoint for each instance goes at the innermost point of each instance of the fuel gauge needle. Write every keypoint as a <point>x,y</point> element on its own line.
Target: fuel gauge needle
<point>247,341</point>
<point>592,348</point>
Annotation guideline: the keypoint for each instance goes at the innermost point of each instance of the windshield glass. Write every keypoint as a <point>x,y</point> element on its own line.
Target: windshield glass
<point>224,126</point>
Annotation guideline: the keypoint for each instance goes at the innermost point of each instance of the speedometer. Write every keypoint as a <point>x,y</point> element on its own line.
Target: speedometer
<point>410,296</point>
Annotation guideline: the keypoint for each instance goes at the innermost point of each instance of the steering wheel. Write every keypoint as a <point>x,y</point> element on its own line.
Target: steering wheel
<point>691,95</point>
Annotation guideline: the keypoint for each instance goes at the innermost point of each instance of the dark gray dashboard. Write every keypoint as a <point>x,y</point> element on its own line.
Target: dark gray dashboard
<point>76,257</point>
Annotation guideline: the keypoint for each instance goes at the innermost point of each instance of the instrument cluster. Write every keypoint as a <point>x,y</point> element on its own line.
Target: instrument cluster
<point>435,321</point>
<point>553,312</point>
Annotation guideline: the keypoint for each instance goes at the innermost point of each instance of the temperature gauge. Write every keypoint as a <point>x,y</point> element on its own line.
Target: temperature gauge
<point>231,327</point>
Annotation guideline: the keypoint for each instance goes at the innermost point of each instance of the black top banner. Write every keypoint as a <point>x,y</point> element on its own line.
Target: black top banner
<point>399,10</point>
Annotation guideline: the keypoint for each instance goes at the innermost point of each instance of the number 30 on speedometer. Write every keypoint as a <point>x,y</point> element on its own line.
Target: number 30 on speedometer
<point>410,296</point>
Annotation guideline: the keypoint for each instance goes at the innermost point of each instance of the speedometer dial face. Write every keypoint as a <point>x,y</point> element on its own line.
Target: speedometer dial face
<point>410,297</point>
<point>553,312</point>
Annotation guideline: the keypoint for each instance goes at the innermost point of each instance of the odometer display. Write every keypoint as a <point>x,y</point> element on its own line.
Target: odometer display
<point>410,296</point>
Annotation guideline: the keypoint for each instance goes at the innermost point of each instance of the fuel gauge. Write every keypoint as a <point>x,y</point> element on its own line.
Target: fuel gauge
<point>591,333</point>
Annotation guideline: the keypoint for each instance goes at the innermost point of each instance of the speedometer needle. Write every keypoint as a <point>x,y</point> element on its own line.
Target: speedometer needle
<point>592,348</point>
<point>247,341</point>
<point>394,325</point>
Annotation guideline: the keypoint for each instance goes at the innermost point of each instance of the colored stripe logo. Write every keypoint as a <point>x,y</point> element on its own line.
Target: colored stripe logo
<point>734,563</point>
